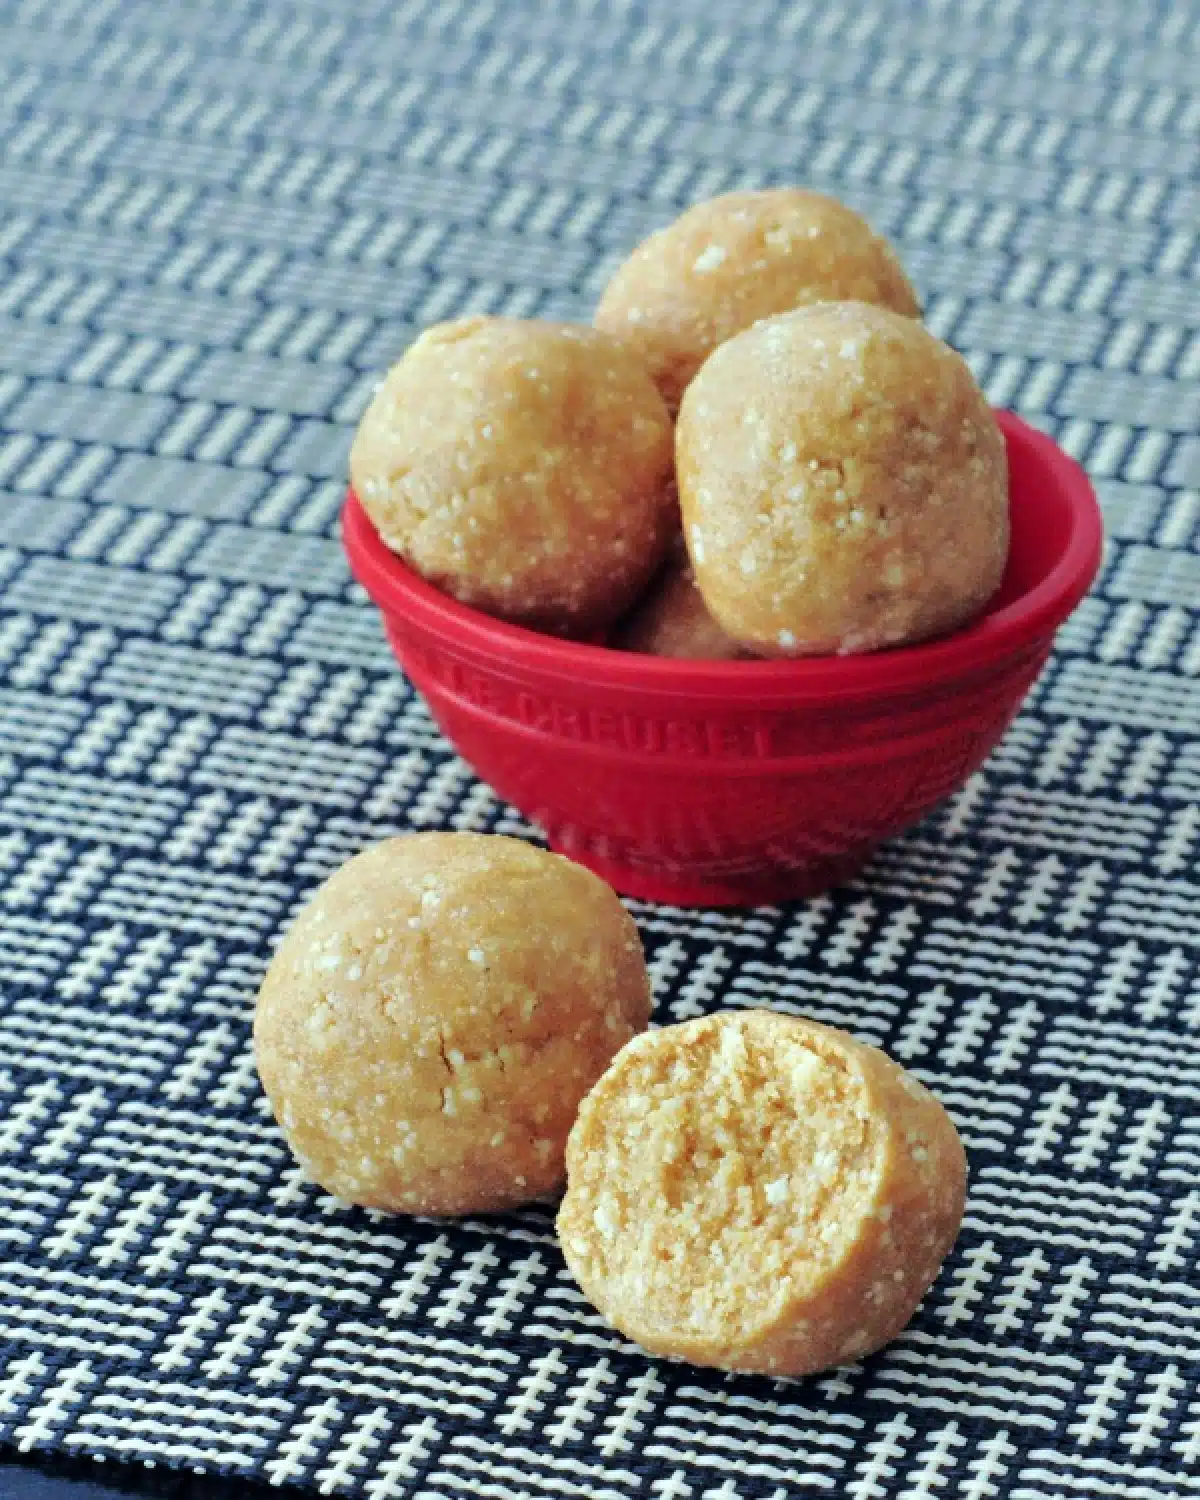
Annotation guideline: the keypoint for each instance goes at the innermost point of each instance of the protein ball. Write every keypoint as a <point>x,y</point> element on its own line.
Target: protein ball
<point>523,467</point>
<point>435,1013</point>
<point>843,484</point>
<point>759,1193</point>
<point>673,619</point>
<point>732,260</point>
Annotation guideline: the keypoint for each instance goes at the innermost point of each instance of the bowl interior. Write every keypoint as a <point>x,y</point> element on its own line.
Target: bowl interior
<point>1045,521</point>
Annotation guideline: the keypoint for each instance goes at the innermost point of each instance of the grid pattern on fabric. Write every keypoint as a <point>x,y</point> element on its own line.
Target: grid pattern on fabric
<point>221,220</point>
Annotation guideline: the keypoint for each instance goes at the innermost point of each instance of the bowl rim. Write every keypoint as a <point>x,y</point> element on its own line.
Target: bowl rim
<point>1013,629</point>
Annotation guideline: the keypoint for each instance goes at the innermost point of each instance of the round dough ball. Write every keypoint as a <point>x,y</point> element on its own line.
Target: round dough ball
<point>843,483</point>
<point>525,468</point>
<point>432,1018</point>
<point>673,620</point>
<point>759,1193</point>
<point>732,260</point>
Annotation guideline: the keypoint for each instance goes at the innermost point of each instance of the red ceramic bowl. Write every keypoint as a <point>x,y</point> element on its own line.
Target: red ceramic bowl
<point>735,783</point>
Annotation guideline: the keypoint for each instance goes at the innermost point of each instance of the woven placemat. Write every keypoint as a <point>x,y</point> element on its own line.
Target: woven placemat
<point>220,221</point>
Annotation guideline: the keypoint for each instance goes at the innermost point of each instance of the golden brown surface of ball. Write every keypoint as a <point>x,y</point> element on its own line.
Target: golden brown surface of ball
<point>673,620</point>
<point>732,260</point>
<point>523,467</point>
<point>843,484</point>
<point>433,1016</point>
<point>760,1193</point>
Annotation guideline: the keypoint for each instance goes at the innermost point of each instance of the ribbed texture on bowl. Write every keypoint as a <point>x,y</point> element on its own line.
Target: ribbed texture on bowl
<point>735,783</point>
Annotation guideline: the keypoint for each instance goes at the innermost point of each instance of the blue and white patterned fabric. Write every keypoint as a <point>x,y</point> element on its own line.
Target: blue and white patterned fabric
<point>221,221</point>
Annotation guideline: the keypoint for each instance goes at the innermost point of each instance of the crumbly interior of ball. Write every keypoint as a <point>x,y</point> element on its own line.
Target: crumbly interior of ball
<point>725,1181</point>
<point>434,1015</point>
<point>843,484</point>
<point>523,467</point>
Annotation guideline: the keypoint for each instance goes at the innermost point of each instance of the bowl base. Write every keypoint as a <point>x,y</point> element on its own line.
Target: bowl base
<point>767,887</point>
